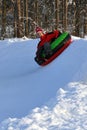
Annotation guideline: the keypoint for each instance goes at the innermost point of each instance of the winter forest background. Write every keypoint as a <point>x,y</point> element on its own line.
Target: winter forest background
<point>19,18</point>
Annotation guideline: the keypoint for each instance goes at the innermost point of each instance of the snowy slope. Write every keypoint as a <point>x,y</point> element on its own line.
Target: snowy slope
<point>57,93</point>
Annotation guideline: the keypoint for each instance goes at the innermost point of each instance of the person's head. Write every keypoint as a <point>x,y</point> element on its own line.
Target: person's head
<point>39,31</point>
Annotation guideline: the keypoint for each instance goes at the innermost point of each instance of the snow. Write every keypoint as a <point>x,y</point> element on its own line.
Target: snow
<point>32,97</point>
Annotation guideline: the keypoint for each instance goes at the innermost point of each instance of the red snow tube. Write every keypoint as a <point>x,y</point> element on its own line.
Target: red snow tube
<point>57,53</point>
<point>62,42</point>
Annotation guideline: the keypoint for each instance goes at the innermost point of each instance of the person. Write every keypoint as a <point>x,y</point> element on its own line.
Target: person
<point>45,39</point>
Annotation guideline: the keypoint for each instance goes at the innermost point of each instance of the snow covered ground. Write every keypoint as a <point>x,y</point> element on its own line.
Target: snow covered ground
<point>32,97</point>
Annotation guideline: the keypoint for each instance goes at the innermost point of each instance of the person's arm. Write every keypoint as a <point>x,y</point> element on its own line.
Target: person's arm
<point>57,33</point>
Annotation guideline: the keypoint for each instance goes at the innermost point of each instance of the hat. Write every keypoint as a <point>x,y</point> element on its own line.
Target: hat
<point>38,29</point>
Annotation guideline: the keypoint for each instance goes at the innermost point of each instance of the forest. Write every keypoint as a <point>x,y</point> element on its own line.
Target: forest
<point>19,18</point>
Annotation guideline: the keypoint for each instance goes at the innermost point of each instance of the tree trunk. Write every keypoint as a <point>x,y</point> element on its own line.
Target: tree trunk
<point>19,19</point>
<point>15,18</point>
<point>3,31</point>
<point>64,22</point>
<point>77,20</point>
<point>85,24</point>
<point>26,18</point>
<point>56,13</point>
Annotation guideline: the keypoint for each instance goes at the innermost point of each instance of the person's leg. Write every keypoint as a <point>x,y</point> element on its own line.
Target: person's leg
<point>47,49</point>
<point>39,57</point>
<point>39,52</point>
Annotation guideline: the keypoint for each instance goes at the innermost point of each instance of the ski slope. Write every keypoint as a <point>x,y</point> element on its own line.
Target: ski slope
<point>32,97</point>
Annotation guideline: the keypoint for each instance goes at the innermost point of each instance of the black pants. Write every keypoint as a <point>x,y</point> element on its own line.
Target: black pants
<point>47,50</point>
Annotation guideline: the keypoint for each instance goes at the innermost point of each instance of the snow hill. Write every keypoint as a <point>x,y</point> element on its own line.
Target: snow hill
<point>32,97</point>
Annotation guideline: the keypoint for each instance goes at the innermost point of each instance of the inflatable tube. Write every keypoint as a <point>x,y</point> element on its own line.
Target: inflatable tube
<point>57,47</point>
